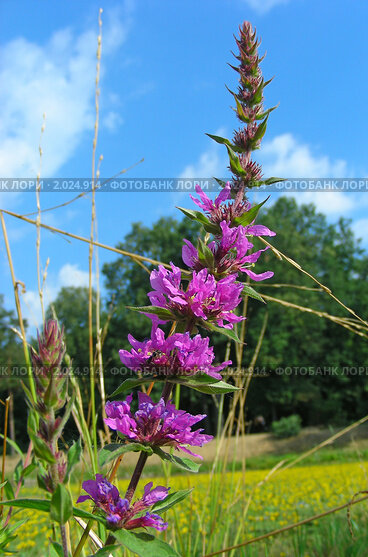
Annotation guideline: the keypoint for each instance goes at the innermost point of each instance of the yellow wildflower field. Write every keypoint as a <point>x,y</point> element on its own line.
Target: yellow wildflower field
<point>229,507</point>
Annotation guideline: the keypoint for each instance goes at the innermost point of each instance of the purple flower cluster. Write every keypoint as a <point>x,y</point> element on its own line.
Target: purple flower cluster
<point>230,253</point>
<point>179,354</point>
<point>156,425</point>
<point>204,298</point>
<point>119,512</point>
<point>217,211</point>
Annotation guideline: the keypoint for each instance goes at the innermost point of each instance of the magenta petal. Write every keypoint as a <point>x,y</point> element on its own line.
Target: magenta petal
<point>261,276</point>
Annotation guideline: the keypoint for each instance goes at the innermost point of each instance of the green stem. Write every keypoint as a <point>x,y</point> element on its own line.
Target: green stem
<point>83,539</point>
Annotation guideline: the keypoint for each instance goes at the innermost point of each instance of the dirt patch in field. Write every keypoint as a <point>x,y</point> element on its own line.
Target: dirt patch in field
<point>256,444</point>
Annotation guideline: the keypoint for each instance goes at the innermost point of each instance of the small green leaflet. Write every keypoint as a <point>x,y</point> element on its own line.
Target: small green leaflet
<point>249,216</point>
<point>145,545</point>
<point>218,388</point>
<point>44,506</point>
<point>111,452</point>
<point>249,291</point>
<point>61,508</point>
<point>184,463</point>
<point>235,165</point>
<point>162,313</point>
<point>201,218</point>
<point>230,333</point>
<point>171,500</point>
<point>132,382</point>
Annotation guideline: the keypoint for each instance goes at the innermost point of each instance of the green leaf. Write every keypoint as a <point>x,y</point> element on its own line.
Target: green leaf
<point>13,444</point>
<point>272,180</point>
<point>106,550</point>
<point>61,509</point>
<point>249,216</point>
<point>56,550</point>
<point>266,113</point>
<point>132,382</point>
<point>41,449</point>
<point>200,378</point>
<point>110,452</point>
<point>220,182</point>
<point>74,454</point>
<point>44,505</point>
<point>235,165</point>
<point>224,141</point>
<point>202,219</point>
<point>184,463</point>
<point>145,545</point>
<point>205,255</point>
<point>162,313</point>
<point>9,491</point>
<point>261,130</point>
<point>17,474</point>
<point>171,500</point>
<point>218,388</point>
<point>29,469</point>
<point>37,504</point>
<point>230,333</point>
<point>249,291</point>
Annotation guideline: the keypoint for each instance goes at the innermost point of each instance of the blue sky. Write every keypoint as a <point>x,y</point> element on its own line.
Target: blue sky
<point>164,70</point>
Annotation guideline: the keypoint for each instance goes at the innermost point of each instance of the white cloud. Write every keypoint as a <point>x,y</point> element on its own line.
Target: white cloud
<point>284,156</point>
<point>56,78</point>
<point>264,6</point>
<point>112,120</point>
<point>71,275</point>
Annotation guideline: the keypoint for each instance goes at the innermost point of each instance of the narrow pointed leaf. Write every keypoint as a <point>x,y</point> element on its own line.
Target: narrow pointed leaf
<point>219,388</point>
<point>235,163</point>
<point>111,452</point>
<point>201,218</point>
<point>145,545</point>
<point>219,139</point>
<point>132,382</point>
<point>171,500</point>
<point>162,313</point>
<point>61,509</point>
<point>249,291</point>
<point>230,333</point>
<point>266,113</point>
<point>249,216</point>
<point>205,255</point>
<point>184,463</point>
<point>261,130</point>
<point>272,180</point>
<point>13,444</point>
<point>44,505</point>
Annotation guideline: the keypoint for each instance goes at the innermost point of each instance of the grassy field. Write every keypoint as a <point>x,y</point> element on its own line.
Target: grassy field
<point>229,508</point>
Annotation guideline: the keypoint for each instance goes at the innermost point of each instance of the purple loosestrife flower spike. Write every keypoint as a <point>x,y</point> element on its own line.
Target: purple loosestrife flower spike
<point>249,109</point>
<point>230,253</point>
<point>155,425</point>
<point>50,383</point>
<point>205,298</point>
<point>119,513</point>
<point>179,354</point>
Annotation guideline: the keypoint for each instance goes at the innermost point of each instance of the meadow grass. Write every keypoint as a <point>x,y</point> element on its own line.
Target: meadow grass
<point>210,518</point>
